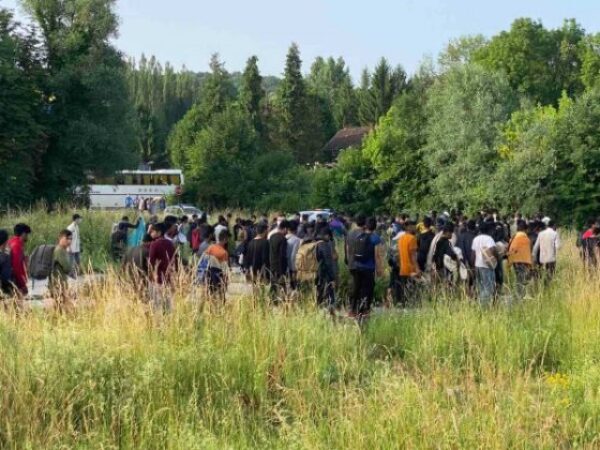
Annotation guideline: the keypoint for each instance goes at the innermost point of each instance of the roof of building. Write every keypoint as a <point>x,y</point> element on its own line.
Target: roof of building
<point>346,138</point>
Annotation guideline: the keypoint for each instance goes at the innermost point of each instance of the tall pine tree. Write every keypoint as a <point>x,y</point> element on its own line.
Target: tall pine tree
<point>252,93</point>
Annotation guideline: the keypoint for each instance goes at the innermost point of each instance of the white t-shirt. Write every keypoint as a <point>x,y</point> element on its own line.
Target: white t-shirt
<point>218,229</point>
<point>480,243</point>
<point>76,242</point>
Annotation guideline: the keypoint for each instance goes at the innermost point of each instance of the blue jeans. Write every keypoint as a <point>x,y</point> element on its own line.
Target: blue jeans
<point>486,285</point>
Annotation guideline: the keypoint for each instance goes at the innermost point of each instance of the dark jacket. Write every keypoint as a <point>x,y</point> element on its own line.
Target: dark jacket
<point>326,269</point>
<point>6,285</point>
<point>256,257</point>
<point>442,249</point>
<point>465,243</point>
<point>424,244</point>
<point>278,255</point>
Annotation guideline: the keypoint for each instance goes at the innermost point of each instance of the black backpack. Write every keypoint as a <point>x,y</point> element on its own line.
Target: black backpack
<point>364,250</point>
<point>41,262</point>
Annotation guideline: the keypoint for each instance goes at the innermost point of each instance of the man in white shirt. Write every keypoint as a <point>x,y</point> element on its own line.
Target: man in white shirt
<point>484,258</point>
<point>75,247</point>
<point>545,250</point>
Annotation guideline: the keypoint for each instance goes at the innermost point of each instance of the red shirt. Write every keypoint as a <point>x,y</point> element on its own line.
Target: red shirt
<point>588,234</point>
<point>18,262</point>
<point>162,260</point>
<point>196,239</point>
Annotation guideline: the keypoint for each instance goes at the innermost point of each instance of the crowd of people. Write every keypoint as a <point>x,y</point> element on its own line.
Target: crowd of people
<point>287,255</point>
<point>439,252</point>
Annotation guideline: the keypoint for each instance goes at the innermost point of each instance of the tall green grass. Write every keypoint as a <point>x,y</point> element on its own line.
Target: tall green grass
<point>248,375</point>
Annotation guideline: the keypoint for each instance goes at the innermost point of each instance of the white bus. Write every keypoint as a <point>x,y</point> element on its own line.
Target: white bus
<point>126,187</point>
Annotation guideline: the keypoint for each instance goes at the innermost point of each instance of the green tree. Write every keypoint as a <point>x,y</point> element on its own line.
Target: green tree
<point>252,93</point>
<point>466,108</point>
<point>577,147</point>
<point>367,109</point>
<point>395,149</point>
<point>539,63</point>
<point>330,81</point>
<point>216,95</point>
<point>217,90</point>
<point>524,177</point>
<point>293,111</point>
<point>219,156</point>
<point>461,50</point>
<point>590,60</point>
<point>378,91</point>
<point>21,134</point>
<point>350,186</point>
<point>89,115</point>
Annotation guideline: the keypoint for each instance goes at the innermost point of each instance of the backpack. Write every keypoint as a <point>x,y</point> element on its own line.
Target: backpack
<point>41,262</point>
<point>364,250</point>
<point>489,257</point>
<point>202,270</point>
<point>306,261</point>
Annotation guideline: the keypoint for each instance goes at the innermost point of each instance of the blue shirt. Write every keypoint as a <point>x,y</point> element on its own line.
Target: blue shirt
<point>369,265</point>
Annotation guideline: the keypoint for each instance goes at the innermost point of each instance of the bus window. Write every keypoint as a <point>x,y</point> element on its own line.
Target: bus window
<point>119,179</point>
<point>129,179</point>
<point>174,180</point>
<point>104,180</point>
<point>146,179</point>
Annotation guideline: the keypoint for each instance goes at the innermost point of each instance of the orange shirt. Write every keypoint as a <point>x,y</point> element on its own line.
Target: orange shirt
<point>407,247</point>
<point>218,252</point>
<point>520,250</point>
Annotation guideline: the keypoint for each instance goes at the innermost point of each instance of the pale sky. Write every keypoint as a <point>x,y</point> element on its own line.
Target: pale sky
<point>404,31</point>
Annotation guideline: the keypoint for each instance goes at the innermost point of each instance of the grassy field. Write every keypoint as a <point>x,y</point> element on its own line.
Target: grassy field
<point>248,375</point>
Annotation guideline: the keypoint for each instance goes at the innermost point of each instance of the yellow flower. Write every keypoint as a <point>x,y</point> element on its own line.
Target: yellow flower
<point>558,380</point>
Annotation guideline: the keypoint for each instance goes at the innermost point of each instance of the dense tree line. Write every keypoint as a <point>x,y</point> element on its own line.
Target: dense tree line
<point>64,106</point>
<point>73,105</point>
<point>245,147</point>
<point>510,122</point>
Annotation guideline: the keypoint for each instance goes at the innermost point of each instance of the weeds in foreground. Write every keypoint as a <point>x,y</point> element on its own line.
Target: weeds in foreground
<point>246,374</point>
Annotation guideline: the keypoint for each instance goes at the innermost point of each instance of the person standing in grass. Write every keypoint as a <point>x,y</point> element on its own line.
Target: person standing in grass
<point>162,263</point>
<point>519,258</point>
<point>465,242</point>
<point>278,258</point>
<point>443,249</point>
<point>135,261</point>
<point>6,280</point>
<point>408,262</point>
<point>545,250</point>
<point>326,273</point>
<point>362,248</point>
<point>256,258</point>
<point>213,266</point>
<point>75,248</point>
<point>588,243</point>
<point>16,245</point>
<point>484,258</point>
<point>62,268</point>
<point>293,244</point>
<point>424,242</point>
